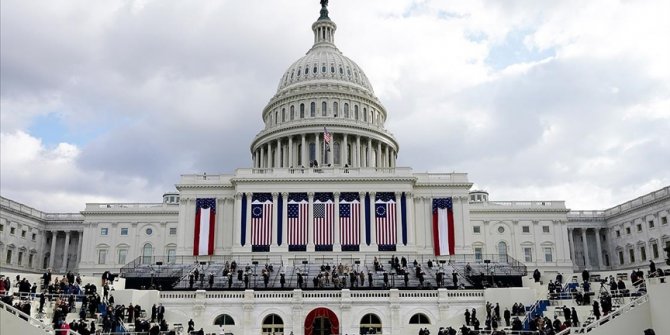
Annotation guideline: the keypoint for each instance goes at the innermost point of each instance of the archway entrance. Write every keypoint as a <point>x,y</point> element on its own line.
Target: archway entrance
<point>321,321</point>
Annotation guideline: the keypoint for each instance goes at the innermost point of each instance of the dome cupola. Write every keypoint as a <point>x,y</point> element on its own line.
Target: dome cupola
<point>324,93</point>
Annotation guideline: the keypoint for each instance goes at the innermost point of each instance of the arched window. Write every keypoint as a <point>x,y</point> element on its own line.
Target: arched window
<point>356,112</point>
<point>306,69</point>
<point>323,68</point>
<point>292,114</point>
<point>302,111</point>
<point>272,324</point>
<point>335,109</point>
<point>312,109</point>
<point>332,68</point>
<point>147,253</point>
<point>314,69</point>
<point>224,320</point>
<point>283,115</point>
<point>336,153</point>
<point>365,114</point>
<point>324,108</point>
<point>276,117</point>
<point>371,322</point>
<point>502,251</point>
<point>299,72</point>
<point>419,319</point>
<point>346,110</point>
<point>341,71</point>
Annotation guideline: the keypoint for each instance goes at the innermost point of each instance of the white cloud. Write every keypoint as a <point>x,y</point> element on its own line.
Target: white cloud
<point>178,87</point>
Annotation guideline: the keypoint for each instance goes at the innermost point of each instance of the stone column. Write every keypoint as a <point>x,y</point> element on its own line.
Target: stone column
<point>273,238</point>
<point>278,154</point>
<point>65,249</point>
<point>571,243</point>
<point>398,220</point>
<point>373,225</point>
<point>80,240</point>
<point>54,235</point>
<point>587,261</point>
<point>336,223</point>
<point>290,151</point>
<point>261,159</point>
<point>369,154</point>
<point>599,249</point>
<point>310,221</point>
<point>302,151</point>
<point>358,152</point>
<point>237,217</point>
<point>344,151</point>
<point>378,161</point>
<point>317,149</point>
<point>284,229</point>
<point>387,160</point>
<point>247,240</point>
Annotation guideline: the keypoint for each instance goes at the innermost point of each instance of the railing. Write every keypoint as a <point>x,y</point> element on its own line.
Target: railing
<point>37,213</point>
<point>27,318</point>
<point>616,313</point>
<point>507,332</point>
<point>639,201</point>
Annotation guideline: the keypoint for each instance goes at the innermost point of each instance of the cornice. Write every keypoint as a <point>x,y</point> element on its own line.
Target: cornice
<point>111,212</point>
<point>444,184</point>
<point>305,180</point>
<point>519,210</point>
<point>181,187</point>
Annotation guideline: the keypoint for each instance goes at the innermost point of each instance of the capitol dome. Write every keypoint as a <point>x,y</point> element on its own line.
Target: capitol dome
<point>324,112</point>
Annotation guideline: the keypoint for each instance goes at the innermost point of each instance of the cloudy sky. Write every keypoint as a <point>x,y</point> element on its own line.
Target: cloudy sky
<point>113,100</point>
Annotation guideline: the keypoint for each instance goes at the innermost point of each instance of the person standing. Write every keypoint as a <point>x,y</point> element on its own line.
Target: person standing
<point>467,317</point>
<point>596,309</point>
<point>574,317</point>
<point>507,315</point>
<point>652,267</point>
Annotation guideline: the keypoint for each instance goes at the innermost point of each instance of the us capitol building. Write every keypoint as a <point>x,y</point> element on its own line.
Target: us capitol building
<point>323,187</point>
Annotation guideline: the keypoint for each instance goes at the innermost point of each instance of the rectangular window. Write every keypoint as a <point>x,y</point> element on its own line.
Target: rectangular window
<point>478,254</point>
<point>620,257</point>
<point>122,256</point>
<point>618,233</point>
<point>30,260</point>
<point>103,232</point>
<point>2,228</point>
<point>124,231</point>
<point>643,253</point>
<point>8,260</point>
<point>34,237</point>
<point>639,227</point>
<point>476,229</point>
<point>12,230</point>
<point>172,255</point>
<point>525,229</point>
<point>173,231</point>
<point>627,230</point>
<point>528,254</point>
<point>20,259</point>
<point>548,256</point>
<point>651,223</point>
<point>545,229</point>
<point>631,255</point>
<point>654,250</point>
<point>23,233</point>
<point>664,220</point>
<point>102,256</point>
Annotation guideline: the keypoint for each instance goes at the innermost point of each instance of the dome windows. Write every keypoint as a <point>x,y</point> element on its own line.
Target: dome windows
<point>332,68</point>
<point>292,114</point>
<point>356,112</point>
<point>341,71</point>
<point>299,72</point>
<point>312,109</point>
<point>314,69</point>
<point>283,115</point>
<point>346,110</point>
<point>302,111</point>
<point>276,117</point>
<point>306,70</point>
<point>335,109</point>
<point>365,114</point>
<point>349,72</point>
<point>323,68</point>
<point>324,108</point>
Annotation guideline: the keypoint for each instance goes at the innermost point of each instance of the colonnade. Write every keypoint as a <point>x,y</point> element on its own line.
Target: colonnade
<point>336,221</point>
<point>66,244</point>
<point>352,150</point>
<point>587,262</point>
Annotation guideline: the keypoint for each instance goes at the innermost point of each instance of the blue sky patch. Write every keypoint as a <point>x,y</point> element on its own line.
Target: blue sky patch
<point>514,51</point>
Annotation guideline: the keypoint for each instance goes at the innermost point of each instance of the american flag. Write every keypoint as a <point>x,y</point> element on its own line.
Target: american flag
<point>323,223</point>
<point>327,137</point>
<point>350,230</point>
<point>297,222</point>
<point>385,218</point>
<point>261,220</point>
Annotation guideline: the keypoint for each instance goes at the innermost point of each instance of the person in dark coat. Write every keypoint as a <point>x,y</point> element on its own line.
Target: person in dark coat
<point>652,266</point>
<point>596,309</point>
<point>454,277</point>
<point>585,275</point>
<point>507,315</point>
<point>537,275</point>
<point>467,317</point>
